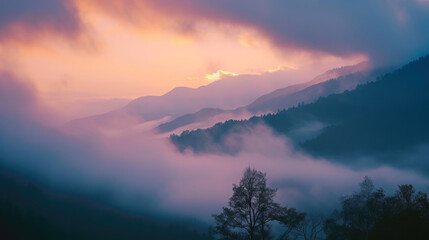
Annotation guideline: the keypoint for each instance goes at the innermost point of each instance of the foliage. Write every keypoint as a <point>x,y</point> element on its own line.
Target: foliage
<point>370,214</point>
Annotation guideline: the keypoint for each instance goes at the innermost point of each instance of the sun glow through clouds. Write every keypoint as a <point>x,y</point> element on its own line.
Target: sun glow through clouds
<point>219,74</point>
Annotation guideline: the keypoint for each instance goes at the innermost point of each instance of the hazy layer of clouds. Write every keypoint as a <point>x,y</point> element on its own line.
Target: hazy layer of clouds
<point>389,31</point>
<point>143,171</point>
<point>385,30</point>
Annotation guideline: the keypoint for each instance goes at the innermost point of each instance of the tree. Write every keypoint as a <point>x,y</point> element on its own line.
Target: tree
<point>250,209</point>
<point>404,196</point>
<point>371,215</point>
<point>359,212</point>
<point>291,220</point>
<point>406,216</point>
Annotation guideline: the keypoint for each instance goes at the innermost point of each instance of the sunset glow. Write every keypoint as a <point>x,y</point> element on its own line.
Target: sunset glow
<point>127,57</point>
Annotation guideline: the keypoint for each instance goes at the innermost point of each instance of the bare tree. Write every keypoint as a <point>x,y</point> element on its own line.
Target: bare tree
<point>250,209</point>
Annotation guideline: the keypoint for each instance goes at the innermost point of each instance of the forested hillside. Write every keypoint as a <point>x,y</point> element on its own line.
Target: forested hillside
<point>389,114</point>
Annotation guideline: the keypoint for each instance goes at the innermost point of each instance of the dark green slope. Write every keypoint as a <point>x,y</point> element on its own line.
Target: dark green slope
<point>387,115</point>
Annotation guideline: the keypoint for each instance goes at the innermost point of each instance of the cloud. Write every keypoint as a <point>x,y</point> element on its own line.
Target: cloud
<point>389,32</point>
<point>26,18</point>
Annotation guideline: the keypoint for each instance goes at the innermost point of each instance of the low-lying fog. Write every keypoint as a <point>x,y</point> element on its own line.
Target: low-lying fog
<point>141,170</point>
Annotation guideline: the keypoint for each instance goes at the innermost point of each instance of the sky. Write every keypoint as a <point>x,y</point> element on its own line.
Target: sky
<point>77,51</point>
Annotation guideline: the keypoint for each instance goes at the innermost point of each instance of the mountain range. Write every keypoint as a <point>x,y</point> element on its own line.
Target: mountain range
<point>344,78</point>
<point>210,100</point>
<point>387,115</point>
<point>183,100</point>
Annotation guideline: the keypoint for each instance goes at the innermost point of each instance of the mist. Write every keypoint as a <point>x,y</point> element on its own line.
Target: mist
<point>137,169</point>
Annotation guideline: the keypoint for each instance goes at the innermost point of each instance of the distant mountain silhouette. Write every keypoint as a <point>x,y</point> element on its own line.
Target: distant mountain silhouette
<point>182,100</point>
<point>186,119</point>
<point>390,114</point>
<point>284,98</point>
<point>290,96</point>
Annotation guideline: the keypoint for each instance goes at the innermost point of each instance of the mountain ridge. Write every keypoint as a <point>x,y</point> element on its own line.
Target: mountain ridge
<point>183,100</point>
<point>253,107</point>
<point>367,120</point>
